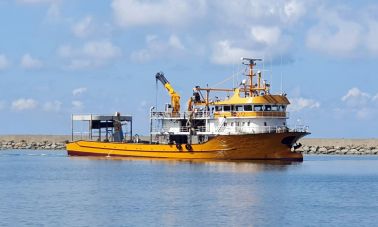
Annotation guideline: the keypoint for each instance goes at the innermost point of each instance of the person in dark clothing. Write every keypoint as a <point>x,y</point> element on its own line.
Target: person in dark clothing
<point>118,133</point>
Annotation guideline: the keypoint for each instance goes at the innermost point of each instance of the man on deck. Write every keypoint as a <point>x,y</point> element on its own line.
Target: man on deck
<point>118,133</point>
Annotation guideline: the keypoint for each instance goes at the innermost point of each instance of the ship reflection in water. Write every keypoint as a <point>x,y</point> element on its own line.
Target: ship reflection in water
<point>49,189</point>
<point>232,166</point>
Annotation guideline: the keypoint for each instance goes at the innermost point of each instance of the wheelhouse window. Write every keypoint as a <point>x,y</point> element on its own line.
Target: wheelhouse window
<point>239,108</point>
<point>283,108</point>
<point>258,108</point>
<point>248,108</point>
<point>218,108</point>
<point>268,108</point>
<point>226,108</point>
<point>275,108</point>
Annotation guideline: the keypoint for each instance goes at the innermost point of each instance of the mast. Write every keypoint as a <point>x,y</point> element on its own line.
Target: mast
<point>251,62</point>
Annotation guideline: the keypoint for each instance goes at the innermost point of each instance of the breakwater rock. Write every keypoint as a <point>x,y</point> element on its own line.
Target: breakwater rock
<point>41,145</point>
<point>339,150</point>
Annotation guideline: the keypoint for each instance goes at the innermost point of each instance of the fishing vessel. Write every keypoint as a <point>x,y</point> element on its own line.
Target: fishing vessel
<point>249,123</point>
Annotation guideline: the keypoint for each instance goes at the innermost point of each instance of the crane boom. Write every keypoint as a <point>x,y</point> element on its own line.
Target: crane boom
<point>175,97</point>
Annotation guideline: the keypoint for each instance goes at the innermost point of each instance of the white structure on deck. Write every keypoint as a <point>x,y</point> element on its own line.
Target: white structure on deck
<point>102,124</point>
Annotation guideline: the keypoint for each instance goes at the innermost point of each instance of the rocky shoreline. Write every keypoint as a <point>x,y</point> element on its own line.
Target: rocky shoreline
<point>309,147</point>
<point>338,150</point>
<point>44,145</point>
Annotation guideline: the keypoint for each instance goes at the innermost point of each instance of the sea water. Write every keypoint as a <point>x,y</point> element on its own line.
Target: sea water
<point>48,188</point>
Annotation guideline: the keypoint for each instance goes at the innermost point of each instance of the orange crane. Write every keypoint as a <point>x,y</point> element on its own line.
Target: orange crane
<point>175,97</point>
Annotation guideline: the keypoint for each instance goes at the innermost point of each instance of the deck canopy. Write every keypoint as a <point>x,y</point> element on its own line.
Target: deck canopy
<point>102,124</point>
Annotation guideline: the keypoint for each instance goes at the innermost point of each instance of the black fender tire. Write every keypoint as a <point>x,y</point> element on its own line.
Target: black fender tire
<point>188,147</point>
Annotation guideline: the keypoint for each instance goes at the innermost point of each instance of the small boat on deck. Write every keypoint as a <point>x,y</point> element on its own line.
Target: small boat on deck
<point>250,124</point>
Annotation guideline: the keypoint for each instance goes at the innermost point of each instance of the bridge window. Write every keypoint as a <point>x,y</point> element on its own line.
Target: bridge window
<point>283,108</point>
<point>257,107</point>
<point>218,108</point>
<point>248,108</point>
<point>268,108</point>
<point>239,108</point>
<point>275,108</point>
<point>226,108</point>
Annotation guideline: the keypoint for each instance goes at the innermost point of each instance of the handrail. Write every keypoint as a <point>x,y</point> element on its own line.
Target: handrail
<point>185,115</point>
<point>221,125</point>
<point>237,129</point>
<point>208,114</point>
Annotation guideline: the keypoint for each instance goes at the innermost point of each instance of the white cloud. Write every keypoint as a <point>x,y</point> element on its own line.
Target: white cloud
<point>360,103</point>
<point>266,27</point>
<point>375,98</point>
<point>4,62</point>
<point>91,54</point>
<point>156,48</point>
<point>175,42</point>
<point>334,35</point>
<point>84,27</point>
<point>344,32</point>
<point>77,105</point>
<point>164,12</point>
<point>53,13</point>
<point>24,104</point>
<point>294,10</point>
<point>28,62</point>
<point>372,36</point>
<point>225,53</point>
<point>52,106</point>
<point>245,13</point>
<point>365,113</point>
<point>101,50</point>
<point>266,35</point>
<point>243,27</point>
<point>356,97</point>
<point>300,103</point>
<point>79,91</point>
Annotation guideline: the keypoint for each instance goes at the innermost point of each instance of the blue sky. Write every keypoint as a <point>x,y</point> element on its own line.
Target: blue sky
<point>59,57</point>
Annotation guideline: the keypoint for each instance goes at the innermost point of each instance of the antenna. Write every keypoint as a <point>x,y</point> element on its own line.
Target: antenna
<point>233,80</point>
<point>250,61</point>
<point>156,94</point>
<point>281,75</point>
<point>271,71</point>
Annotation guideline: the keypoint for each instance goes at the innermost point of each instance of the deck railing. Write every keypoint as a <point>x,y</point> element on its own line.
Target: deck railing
<point>208,114</point>
<point>234,129</point>
<point>181,115</point>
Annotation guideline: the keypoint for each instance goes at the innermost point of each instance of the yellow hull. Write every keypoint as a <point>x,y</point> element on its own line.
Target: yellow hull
<point>265,146</point>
